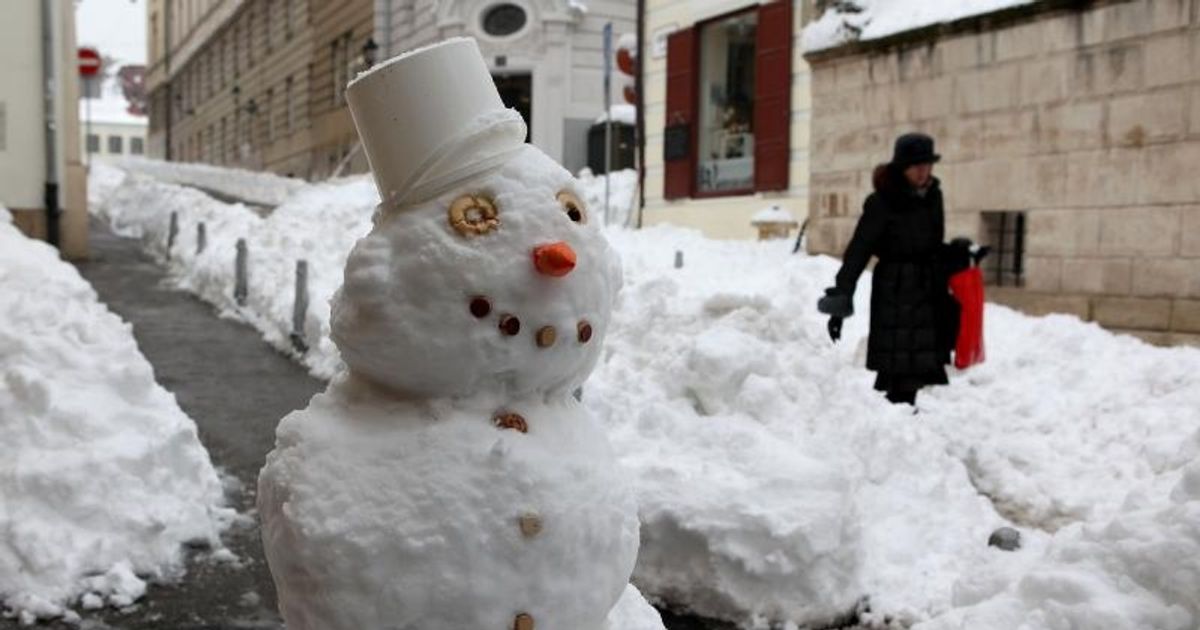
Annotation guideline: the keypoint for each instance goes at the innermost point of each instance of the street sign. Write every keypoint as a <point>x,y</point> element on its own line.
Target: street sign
<point>89,62</point>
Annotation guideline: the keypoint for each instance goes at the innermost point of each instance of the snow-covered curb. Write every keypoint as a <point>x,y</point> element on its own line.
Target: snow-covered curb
<point>102,476</point>
<point>773,482</point>
<point>260,188</point>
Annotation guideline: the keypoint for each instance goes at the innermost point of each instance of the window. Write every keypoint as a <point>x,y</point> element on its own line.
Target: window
<point>268,7</point>
<point>249,36</point>
<point>222,145</point>
<point>93,143</point>
<point>270,105</point>
<point>290,104</point>
<point>726,117</point>
<point>287,20</point>
<point>339,56</point>
<point>503,20</point>
<point>728,104</point>
<point>1005,232</point>
<point>221,44</point>
<point>137,146</point>
<point>116,145</point>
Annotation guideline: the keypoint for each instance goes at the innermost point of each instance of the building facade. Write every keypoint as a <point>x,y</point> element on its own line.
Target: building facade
<point>726,112</point>
<point>1070,135</point>
<point>37,49</point>
<point>250,83</point>
<point>547,56</point>
<point>260,84</point>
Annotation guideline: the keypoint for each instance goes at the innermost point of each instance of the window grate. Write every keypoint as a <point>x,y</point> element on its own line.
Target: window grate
<point>1005,232</point>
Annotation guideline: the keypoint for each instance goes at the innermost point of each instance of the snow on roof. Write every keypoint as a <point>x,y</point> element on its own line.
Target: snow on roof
<point>621,113</point>
<point>863,20</point>
<point>772,214</point>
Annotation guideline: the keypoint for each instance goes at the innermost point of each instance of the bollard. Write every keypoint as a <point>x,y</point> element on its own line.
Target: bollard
<point>300,308</point>
<point>201,238</point>
<point>678,259</point>
<point>172,233</point>
<point>240,289</point>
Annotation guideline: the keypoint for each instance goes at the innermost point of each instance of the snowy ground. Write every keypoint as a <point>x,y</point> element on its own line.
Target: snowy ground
<point>774,483</point>
<point>102,476</point>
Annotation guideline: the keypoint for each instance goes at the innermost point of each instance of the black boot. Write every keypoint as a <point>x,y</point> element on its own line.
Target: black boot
<point>907,397</point>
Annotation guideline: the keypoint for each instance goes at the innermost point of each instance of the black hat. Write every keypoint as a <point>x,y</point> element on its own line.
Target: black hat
<point>914,148</point>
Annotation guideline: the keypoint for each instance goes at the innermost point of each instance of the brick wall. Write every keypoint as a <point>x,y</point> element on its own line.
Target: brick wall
<point>1086,119</point>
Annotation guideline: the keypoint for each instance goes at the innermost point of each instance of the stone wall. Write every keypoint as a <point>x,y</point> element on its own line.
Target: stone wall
<point>1087,119</point>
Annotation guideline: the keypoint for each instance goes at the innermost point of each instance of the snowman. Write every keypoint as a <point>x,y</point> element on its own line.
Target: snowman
<point>447,479</point>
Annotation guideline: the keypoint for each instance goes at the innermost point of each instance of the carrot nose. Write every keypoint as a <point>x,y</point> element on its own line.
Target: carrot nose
<point>555,259</point>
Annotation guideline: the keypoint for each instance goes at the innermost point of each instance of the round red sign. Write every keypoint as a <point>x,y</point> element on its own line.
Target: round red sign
<point>89,62</point>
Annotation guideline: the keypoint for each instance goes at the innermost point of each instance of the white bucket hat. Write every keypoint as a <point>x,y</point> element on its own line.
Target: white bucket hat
<point>430,119</point>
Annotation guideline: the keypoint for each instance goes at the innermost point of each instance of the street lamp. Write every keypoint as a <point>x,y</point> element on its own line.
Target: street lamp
<point>370,52</point>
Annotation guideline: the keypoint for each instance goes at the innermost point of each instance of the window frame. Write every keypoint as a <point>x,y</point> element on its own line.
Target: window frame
<point>694,158</point>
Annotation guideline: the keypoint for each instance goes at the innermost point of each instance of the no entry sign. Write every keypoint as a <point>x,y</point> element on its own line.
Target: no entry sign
<point>89,62</point>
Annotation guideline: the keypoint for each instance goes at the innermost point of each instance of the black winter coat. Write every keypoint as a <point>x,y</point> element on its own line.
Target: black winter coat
<point>910,305</point>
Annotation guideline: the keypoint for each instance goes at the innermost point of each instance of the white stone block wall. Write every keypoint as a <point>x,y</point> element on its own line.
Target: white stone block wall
<point>1088,120</point>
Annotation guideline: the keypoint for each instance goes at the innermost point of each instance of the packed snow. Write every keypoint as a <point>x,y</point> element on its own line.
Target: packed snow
<point>102,477</point>
<point>253,187</point>
<point>773,482</point>
<point>862,20</point>
<point>622,113</point>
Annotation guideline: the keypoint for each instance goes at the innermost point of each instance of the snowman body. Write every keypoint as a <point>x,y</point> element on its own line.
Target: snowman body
<point>448,480</point>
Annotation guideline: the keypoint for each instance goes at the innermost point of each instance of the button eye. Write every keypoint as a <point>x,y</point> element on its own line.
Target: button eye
<point>572,206</point>
<point>471,215</point>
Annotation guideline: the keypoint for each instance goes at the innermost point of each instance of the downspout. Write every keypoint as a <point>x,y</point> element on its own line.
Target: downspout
<point>50,194</point>
<point>170,104</point>
<point>640,97</point>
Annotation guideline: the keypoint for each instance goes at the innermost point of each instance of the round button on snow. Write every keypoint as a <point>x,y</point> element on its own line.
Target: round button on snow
<point>585,331</point>
<point>480,307</point>
<point>514,421</point>
<point>510,325</point>
<point>546,336</point>
<point>524,621</point>
<point>531,524</point>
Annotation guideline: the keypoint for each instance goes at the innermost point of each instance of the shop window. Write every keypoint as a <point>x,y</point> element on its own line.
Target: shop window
<point>726,130</point>
<point>728,116</point>
<point>137,146</point>
<point>116,145</point>
<point>1005,232</point>
<point>93,143</point>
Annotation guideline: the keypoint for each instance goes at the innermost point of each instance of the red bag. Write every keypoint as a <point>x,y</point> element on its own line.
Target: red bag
<point>967,287</point>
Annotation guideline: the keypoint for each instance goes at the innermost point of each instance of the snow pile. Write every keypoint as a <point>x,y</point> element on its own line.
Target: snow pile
<point>773,481</point>
<point>622,113</point>
<point>318,225</point>
<point>256,187</point>
<point>862,20</point>
<point>622,195</point>
<point>1137,570</point>
<point>102,477</point>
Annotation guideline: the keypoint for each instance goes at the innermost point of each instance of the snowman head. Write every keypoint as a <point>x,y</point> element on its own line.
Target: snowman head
<point>503,284</point>
<point>484,272</point>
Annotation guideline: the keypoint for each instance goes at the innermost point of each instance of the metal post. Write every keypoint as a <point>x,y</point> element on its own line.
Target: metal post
<point>50,112</point>
<point>201,238</point>
<point>240,289</point>
<point>172,233</point>
<point>678,259</point>
<point>300,307</point>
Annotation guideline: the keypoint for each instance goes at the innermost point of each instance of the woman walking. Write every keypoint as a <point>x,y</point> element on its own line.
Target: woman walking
<point>912,315</point>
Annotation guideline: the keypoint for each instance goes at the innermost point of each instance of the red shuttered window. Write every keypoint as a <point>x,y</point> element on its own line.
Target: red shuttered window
<point>773,95</point>
<point>679,137</point>
<point>728,105</point>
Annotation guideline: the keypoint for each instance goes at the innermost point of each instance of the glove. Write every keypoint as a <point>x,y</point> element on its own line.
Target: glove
<point>835,328</point>
<point>836,303</point>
